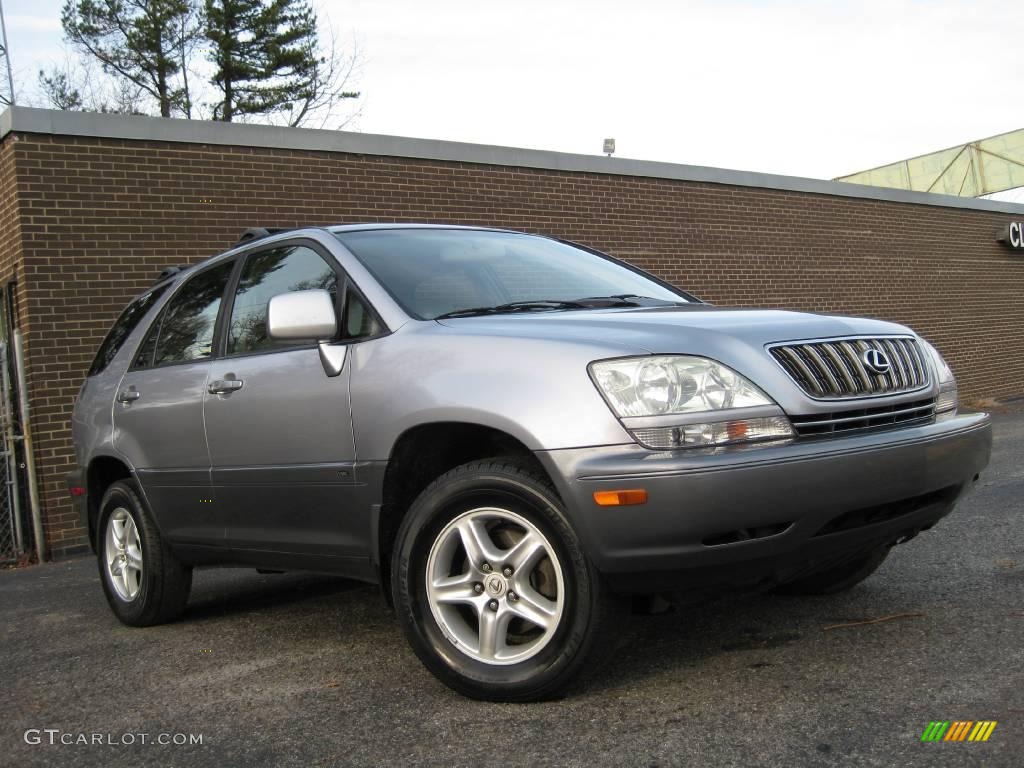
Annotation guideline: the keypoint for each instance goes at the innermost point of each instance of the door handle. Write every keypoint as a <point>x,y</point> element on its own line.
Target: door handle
<point>128,395</point>
<point>224,386</point>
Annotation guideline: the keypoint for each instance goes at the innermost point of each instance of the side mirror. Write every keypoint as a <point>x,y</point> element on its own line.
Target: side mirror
<point>305,315</point>
<point>308,316</point>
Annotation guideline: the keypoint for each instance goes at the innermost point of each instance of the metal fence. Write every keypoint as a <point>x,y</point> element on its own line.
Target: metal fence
<point>12,533</point>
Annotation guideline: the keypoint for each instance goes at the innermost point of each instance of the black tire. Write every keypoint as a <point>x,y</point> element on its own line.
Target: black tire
<point>839,578</point>
<point>163,584</point>
<point>590,617</point>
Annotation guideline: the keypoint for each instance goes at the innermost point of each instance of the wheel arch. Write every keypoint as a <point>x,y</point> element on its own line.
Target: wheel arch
<point>423,453</point>
<point>103,471</point>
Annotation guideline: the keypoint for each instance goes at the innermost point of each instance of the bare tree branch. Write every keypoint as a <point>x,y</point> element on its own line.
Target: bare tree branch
<point>75,85</point>
<point>330,88</point>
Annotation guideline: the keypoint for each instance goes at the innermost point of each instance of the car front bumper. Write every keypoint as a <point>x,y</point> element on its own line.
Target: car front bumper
<point>761,515</point>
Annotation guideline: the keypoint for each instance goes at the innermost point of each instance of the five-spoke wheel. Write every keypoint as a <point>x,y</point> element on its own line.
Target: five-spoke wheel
<point>143,581</point>
<point>493,589</point>
<point>124,554</point>
<point>495,585</point>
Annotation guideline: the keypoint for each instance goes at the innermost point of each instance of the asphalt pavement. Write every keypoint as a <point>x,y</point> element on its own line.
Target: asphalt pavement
<point>300,670</point>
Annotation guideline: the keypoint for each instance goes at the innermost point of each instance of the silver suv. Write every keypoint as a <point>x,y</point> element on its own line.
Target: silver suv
<point>515,436</point>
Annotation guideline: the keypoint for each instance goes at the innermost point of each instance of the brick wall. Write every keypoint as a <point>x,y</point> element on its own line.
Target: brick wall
<point>11,263</point>
<point>10,236</point>
<point>99,217</point>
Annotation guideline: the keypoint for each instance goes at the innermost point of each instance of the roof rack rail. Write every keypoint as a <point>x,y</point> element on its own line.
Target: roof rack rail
<point>169,272</point>
<point>255,233</point>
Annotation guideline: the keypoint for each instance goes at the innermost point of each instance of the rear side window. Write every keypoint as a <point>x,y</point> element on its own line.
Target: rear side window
<point>185,330</point>
<point>123,328</point>
<point>265,275</point>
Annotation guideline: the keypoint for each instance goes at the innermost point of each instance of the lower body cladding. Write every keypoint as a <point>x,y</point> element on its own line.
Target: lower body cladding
<point>760,515</point>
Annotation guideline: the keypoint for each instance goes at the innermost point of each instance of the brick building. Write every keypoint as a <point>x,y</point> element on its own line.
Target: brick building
<point>93,206</point>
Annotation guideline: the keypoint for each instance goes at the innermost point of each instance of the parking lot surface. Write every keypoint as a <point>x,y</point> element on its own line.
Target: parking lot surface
<point>295,669</point>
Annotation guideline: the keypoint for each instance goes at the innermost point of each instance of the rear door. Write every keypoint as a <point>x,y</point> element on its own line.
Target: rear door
<point>278,427</point>
<point>158,413</point>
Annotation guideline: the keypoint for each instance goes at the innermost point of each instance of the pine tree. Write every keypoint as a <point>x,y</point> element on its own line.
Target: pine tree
<point>138,40</point>
<point>265,54</point>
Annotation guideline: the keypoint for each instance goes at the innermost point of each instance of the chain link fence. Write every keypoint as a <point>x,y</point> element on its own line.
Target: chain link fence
<point>12,528</point>
<point>11,540</point>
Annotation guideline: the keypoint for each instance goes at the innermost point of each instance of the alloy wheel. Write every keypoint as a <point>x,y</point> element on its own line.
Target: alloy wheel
<point>495,586</point>
<point>124,554</point>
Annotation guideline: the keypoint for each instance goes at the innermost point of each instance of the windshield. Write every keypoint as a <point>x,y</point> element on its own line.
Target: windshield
<point>432,273</point>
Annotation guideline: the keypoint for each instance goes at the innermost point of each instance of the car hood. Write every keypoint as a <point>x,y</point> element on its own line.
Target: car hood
<point>698,329</point>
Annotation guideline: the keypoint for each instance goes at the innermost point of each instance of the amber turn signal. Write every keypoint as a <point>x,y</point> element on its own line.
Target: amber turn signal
<point>620,498</point>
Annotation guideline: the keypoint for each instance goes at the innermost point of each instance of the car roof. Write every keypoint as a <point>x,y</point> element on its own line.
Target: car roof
<point>412,225</point>
<point>186,270</point>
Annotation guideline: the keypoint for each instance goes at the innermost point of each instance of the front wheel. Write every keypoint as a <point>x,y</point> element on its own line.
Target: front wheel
<point>492,587</point>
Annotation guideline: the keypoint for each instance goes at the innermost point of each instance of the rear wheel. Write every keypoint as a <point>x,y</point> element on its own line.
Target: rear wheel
<point>838,578</point>
<point>492,587</point>
<point>143,581</point>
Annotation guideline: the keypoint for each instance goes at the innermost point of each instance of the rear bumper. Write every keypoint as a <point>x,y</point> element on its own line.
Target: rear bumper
<point>760,515</point>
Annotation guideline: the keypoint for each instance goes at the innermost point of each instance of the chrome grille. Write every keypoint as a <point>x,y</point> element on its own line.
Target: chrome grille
<point>834,368</point>
<point>863,419</point>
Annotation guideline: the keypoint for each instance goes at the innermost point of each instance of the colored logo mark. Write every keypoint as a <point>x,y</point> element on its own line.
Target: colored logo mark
<point>958,730</point>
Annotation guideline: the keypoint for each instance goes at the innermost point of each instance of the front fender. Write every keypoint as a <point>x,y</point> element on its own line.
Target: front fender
<point>539,393</point>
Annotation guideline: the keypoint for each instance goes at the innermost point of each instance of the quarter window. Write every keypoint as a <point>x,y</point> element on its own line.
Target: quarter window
<point>186,327</point>
<point>123,328</point>
<point>265,275</point>
<point>359,322</point>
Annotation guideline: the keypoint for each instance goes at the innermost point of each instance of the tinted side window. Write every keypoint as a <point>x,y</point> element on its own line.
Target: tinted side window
<point>265,275</point>
<point>185,329</point>
<point>123,328</point>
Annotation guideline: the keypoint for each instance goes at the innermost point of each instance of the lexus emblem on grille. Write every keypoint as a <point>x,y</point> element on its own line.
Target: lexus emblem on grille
<point>876,361</point>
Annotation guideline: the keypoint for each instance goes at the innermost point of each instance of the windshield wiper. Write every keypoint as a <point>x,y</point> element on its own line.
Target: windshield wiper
<point>616,300</point>
<point>624,300</point>
<point>588,302</point>
<point>512,306</point>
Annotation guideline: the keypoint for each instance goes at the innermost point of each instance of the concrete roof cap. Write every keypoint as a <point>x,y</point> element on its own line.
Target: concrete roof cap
<point>136,128</point>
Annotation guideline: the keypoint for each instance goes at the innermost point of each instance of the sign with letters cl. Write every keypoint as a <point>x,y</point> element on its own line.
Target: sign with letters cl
<point>1013,235</point>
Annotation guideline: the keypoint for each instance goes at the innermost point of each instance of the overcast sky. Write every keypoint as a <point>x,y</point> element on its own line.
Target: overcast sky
<point>814,89</point>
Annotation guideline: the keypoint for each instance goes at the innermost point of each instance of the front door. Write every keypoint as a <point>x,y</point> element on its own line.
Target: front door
<point>158,412</point>
<point>279,429</point>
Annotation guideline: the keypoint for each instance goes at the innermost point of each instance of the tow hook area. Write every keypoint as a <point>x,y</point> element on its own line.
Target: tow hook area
<point>906,536</point>
<point>651,605</point>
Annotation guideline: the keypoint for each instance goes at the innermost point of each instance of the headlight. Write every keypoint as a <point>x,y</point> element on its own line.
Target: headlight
<point>948,399</point>
<point>657,386</point>
<point>667,385</point>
